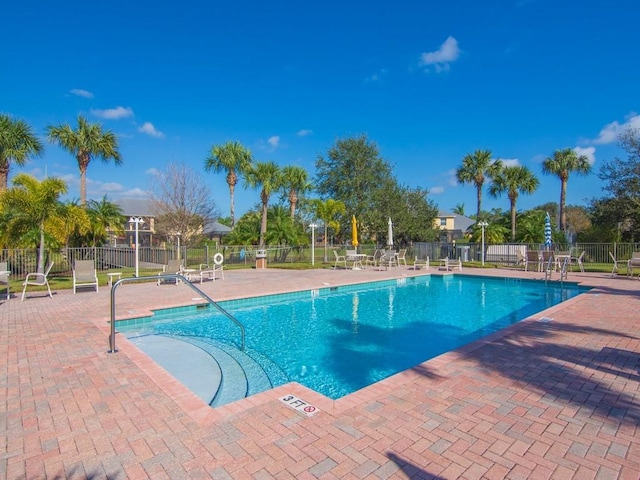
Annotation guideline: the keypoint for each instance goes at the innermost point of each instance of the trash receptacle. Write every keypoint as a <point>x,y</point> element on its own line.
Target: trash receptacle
<point>261,259</point>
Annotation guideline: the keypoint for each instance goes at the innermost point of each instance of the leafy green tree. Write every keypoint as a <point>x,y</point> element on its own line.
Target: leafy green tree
<point>475,169</point>
<point>562,164</point>
<point>85,142</point>
<point>494,232</point>
<point>295,182</point>
<point>33,203</point>
<point>353,172</point>
<point>531,226</point>
<point>328,211</point>
<point>246,230</point>
<point>234,159</point>
<point>18,143</point>
<point>70,225</point>
<point>268,177</point>
<point>513,180</point>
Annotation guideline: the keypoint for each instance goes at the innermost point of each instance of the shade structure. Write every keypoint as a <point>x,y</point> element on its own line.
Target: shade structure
<point>390,234</point>
<point>547,230</point>
<point>354,231</point>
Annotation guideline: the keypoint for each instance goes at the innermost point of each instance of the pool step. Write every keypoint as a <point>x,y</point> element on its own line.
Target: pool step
<point>218,373</point>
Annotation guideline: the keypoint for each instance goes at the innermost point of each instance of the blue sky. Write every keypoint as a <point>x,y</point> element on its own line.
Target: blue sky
<point>427,81</point>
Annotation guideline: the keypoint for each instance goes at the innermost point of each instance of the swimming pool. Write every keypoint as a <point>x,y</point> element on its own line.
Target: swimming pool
<point>338,340</point>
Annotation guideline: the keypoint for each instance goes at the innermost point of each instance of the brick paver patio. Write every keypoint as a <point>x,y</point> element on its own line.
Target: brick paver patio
<point>556,396</point>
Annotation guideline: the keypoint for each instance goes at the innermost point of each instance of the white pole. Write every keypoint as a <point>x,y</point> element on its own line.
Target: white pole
<point>313,243</point>
<point>137,221</point>
<point>482,225</point>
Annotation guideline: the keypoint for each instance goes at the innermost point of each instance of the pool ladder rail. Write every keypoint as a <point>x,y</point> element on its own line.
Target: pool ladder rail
<point>550,268</point>
<point>176,276</point>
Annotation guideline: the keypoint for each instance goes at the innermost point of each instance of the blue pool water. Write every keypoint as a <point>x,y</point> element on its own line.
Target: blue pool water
<point>338,340</point>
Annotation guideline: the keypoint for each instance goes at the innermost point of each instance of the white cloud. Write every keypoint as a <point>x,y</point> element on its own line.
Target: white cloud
<point>510,162</point>
<point>376,77</point>
<point>81,93</point>
<point>611,131</point>
<point>113,113</point>
<point>588,152</point>
<point>274,141</point>
<point>304,133</point>
<point>441,58</point>
<point>436,190</point>
<point>149,129</point>
<point>152,171</point>
<point>111,187</point>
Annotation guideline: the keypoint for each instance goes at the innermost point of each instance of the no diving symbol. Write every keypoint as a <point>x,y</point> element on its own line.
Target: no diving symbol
<point>309,409</point>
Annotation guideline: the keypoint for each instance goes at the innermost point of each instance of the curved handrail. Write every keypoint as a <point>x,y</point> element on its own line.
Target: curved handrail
<point>176,276</point>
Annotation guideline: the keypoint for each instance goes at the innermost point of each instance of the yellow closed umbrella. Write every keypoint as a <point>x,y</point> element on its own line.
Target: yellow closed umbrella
<point>354,231</point>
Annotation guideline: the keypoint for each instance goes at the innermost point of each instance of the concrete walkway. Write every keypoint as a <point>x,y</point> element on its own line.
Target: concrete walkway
<point>541,399</point>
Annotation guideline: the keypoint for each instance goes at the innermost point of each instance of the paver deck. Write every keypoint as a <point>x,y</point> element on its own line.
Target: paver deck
<point>541,399</point>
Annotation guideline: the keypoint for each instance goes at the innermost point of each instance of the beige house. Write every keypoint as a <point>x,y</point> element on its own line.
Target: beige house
<point>452,226</point>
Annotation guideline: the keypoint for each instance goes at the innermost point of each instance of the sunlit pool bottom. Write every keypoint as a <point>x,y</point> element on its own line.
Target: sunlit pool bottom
<point>337,340</point>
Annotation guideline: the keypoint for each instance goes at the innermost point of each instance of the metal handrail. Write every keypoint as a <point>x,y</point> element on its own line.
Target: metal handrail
<point>176,276</point>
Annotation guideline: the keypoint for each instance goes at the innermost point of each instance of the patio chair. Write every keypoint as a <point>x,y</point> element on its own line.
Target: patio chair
<point>420,263</point>
<point>634,261</point>
<point>173,267</point>
<point>4,277</point>
<point>402,257</point>
<point>577,261</point>
<point>38,280</point>
<point>340,259</point>
<point>388,259</point>
<point>84,274</point>
<point>533,258</point>
<point>373,259</point>
<point>449,264</point>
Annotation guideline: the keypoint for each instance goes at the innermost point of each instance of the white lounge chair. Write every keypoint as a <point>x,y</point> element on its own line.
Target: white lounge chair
<point>615,268</point>
<point>578,261</point>
<point>173,267</point>
<point>449,264</point>
<point>388,259</point>
<point>402,257</point>
<point>38,280</point>
<point>84,274</point>
<point>420,263</point>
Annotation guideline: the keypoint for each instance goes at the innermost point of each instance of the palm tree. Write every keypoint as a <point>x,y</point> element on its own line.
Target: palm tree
<point>17,144</point>
<point>70,223</point>
<point>328,210</point>
<point>232,158</point>
<point>513,180</point>
<point>295,181</point>
<point>87,141</point>
<point>34,203</point>
<point>268,176</point>
<point>105,217</point>
<point>561,164</point>
<point>474,169</point>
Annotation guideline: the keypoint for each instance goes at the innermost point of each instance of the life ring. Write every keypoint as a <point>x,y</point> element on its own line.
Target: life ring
<point>218,258</point>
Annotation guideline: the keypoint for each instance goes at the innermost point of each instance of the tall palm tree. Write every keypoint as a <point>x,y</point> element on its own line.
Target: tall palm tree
<point>561,164</point>
<point>86,142</point>
<point>295,181</point>
<point>474,169</point>
<point>233,158</point>
<point>328,210</point>
<point>268,177</point>
<point>513,180</point>
<point>34,203</point>
<point>17,144</point>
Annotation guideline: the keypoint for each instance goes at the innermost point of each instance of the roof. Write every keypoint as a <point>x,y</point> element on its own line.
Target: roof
<point>216,228</point>
<point>460,222</point>
<point>135,207</point>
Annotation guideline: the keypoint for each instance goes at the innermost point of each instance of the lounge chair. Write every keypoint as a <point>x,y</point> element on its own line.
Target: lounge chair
<point>340,259</point>
<point>615,268</point>
<point>420,263</point>
<point>634,261</point>
<point>84,274</point>
<point>4,277</point>
<point>38,280</point>
<point>449,264</point>
<point>173,267</point>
